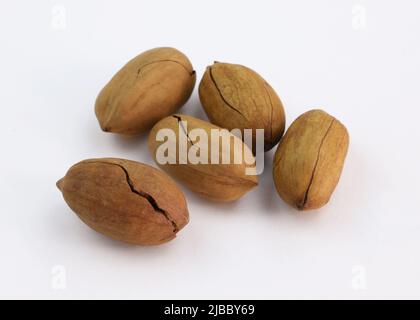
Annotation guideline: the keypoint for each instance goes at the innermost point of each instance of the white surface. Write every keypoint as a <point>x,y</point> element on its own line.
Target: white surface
<point>311,52</point>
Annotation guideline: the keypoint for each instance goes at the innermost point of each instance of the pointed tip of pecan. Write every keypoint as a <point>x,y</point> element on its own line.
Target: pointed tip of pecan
<point>59,184</point>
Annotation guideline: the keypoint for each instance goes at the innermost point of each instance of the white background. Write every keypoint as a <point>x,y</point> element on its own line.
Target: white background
<point>358,60</point>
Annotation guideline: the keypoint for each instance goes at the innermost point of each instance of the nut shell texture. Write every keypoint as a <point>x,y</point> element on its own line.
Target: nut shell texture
<point>125,200</point>
<point>218,182</point>
<point>148,88</point>
<point>309,160</point>
<point>234,96</point>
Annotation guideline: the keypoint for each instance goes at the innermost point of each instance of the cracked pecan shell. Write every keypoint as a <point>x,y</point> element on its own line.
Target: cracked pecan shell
<point>148,88</point>
<point>309,160</point>
<point>214,179</point>
<point>125,200</point>
<point>236,97</point>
